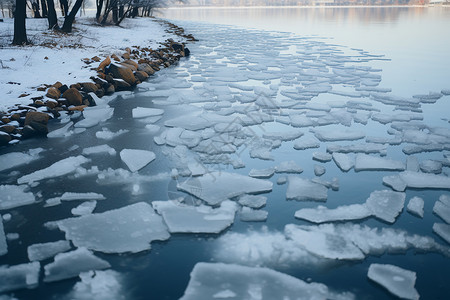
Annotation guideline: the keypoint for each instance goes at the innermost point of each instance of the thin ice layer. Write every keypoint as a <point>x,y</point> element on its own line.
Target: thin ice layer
<point>136,159</point>
<point>248,214</point>
<point>127,229</point>
<point>322,214</point>
<point>343,161</point>
<point>15,159</point>
<point>71,264</point>
<point>253,201</point>
<point>211,280</point>
<point>19,276</point>
<point>304,190</point>
<point>216,187</point>
<point>38,252</point>
<point>181,218</point>
<point>396,280</point>
<point>144,112</point>
<point>12,196</point>
<point>60,168</point>
<point>327,134</point>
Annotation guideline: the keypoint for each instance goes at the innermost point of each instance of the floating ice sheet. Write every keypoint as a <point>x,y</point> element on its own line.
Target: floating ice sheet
<point>60,168</point>
<point>396,280</point>
<point>69,196</point>
<point>218,280</point>
<point>386,205</point>
<point>338,134</point>
<point>415,206</point>
<point>443,230</point>
<point>144,112</point>
<point>15,159</point>
<point>108,135</point>
<point>417,180</point>
<point>84,208</point>
<point>95,115</point>
<point>71,264</point>
<point>101,149</point>
<point>442,208</point>
<point>248,214</point>
<point>127,229</point>
<point>288,167</point>
<point>261,173</point>
<point>99,285</point>
<point>303,190</point>
<point>182,218</point>
<point>322,214</point>
<point>343,161</point>
<point>216,187</point>
<point>364,162</point>
<point>253,201</point>
<point>136,159</point>
<point>38,252</point>
<point>19,276</point>
<point>14,196</point>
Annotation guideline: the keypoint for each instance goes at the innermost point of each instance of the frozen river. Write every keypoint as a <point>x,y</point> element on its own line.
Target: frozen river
<point>298,153</point>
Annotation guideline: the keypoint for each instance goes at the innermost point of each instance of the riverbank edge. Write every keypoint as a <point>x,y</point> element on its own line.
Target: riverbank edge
<point>114,73</point>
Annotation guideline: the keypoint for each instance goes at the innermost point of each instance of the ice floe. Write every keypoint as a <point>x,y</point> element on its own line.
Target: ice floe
<point>106,134</point>
<point>144,112</point>
<point>99,285</point>
<point>84,208</point>
<point>127,229</point>
<point>261,173</point>
<point>288,167</point>
<point>417,180</point>
<point>38,252</point>
<point>71,264</point>
<point>12,196</point>
<point>442,208</point>
<point>443,230</point>
<point>398,281</point>
<point>182,218</point>
<point>3,244</point>
<point>136,159</point>
<point>322,214</point>
<point>15,159</point>
<point>248,214</point>
<point>70,196</point>
<point>338,135</point>
<point>95,115</point>
<point>364,162</point>
<point>386,205</point>
<point>415,206</point>
<point>343,161</point>
<point>304,190</point>
<point>253,201</point>
<point>19,276</point>
<point>101,149</point>
<point>219,281</point>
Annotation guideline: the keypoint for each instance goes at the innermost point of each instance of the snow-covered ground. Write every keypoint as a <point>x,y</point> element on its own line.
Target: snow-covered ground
<point>54,56</point>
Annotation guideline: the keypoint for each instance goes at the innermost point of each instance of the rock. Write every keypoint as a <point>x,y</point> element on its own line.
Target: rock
<point>51,104</point>
<point>126,55</point>
<point>177,47</point>
<point>63,88</point>
<point>89,87</point>
<point>37,117</point>
<point>77,108</point>
<point>40,128</point>
<point>53,93</point>
<point>76,86</point>
<point>187,52</point>
<point>39,103</point>
<point>131,62</point>
<point>4,138</point>
<point>141,75</point>
<point>104,64</point>
<point>73,97</point>
<point>146,68</point>
<point>96,59</point>
<point>90,100</point>
<point>120,72</point>
<point>121,85</point>
<point>115,57</point>
<point>7,128</point>
<point>57,85</point>
<point>129,66</point>
<point>100,92</point>
<point>110,90</point>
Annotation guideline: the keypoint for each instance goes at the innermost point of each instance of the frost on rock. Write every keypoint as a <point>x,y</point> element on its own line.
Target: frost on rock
<point>63,167</point>
<point>216,187</point>
<point>443,230</point>
<point>214,280</point>
<point>38,252</point>
<point>71,264</point>
<point>248,214</point>
<point>322,214</point>
<point>19,276</point>
<point>182,218</point>
<point>127,229</point>
<point>144,112</point>
<point>15,159</point>
<point>12,196</point>
<point>398,281</point>
<point>3,244</point>
<point>417,180</point>
<point>330,135</point>
<point>386,205</point>
<point>343,161</point>
<point>303,190</point>
<point>253,201</point>
<point>136,159</point>
<point>364,162</point>
<point>415,206</point>
<point>442,208</point>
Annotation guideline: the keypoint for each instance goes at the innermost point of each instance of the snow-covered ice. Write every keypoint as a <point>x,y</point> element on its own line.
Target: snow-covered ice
<point>343,161</point>
<point>442,208</point>
<point>15,159</point>
<point>322,214</point>
<point>38,252</point>
<point>396,280</point>
<point>136,159</point>
<point>99,285</point>
<point>248,214</point>
<point>415,206</point>
<point>288,167</point>
<point>253,201</point>
<point>70,196</point>
<point>364,162</point>
<point>408,179</point>
<point>261,173</point>
<point>443,230</point>
<point>338,135</point>
<point>303,190</point>
<point>19,276</point>
<point>386,205</point>
<point>106,134</point>
<point>101,149</point>
<point>84,208</point>
<point>12,196</point>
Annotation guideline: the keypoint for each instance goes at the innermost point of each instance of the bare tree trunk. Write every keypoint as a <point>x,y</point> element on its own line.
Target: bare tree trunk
<point>35,7</point>
<point>115,13</point>
<point>99,5</point>
<point>70,18</point>
<point>52,19</point>
<point>20,30</point>
<point>44,8</point>
<point>64,7</point>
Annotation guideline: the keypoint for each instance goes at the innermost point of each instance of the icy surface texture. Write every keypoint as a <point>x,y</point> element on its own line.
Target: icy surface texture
<point>38,252</point>
<point>443,230</point>
<point>415,206</point>
<point>248,214</point>
<point>253,201</point>
<point>218,280</point>
<point>303,190</point>
<point>99,285</point>
<point>386,205</point>
<point>396,280</point>
<point>127,229</point>
<point>136,159</point>
<point>84,208</point>
<point>19,276</point>
<point>15,159</point>
<point>143,112</point>
<point>322,214</point>
<point>70,196</point>
<point>343,161</point>
<point>14,195</point>
<point>364,162</point>
<point>417,180</point>
<point>442,208</point>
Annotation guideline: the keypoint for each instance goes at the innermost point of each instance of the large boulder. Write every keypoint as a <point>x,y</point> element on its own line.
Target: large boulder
<point>89,87</point>
<point>73,97</point>
<point>141,75</point>
<point>146,68</point>
<point>104,64</point>
<point>121,72</point>
<point>4,138</point>
<point>53,93</point>
<point>35,116</point>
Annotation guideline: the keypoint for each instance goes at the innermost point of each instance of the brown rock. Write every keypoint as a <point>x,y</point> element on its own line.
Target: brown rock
<point>115,57</point>
<point>6,120</point>
<point>100,92</point>
<point>110,90</point>
<point>51,104</point>
<point>104,64</point>
<point>126,55</point>
<point>141,75</point>
<point>53,93</point>
<point>73,97</point>
<point>96,59</point>
<point>121,85</point>
<point>131,62</point>
<point>77,108</point>
<point>57,85</point>
<point>121,72</point>
<point>76,86</point>
<point>7,128</point>
<point>89,87</point>
<point>37,117</point>
<point>39,103</point>
<point>128,50</point>
<point>40,129</point>
<point>4,139</point>
<point>146,68</point>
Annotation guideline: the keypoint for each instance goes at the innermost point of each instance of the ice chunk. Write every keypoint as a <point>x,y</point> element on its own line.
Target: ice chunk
<point>99,150</point>
<point>69,196</point>
<point>358,148</point>
<point>15,159</point>
<point>136,159</point>
<point>364,162</point>
<point>248,214</point>
<point>95,115</point>
<point>417,180</point>
<point>19,276</point>
<point>14,195</point>
<point>443,230</point>
<point>304,189</point>
<point>398,281</point>
<point>431,166</point>
<point>213,280</point>
<point>283,135</point>
<point>60,168</point>
<point>106,134</point>
<point>288,167</point>
<point>415,206</point>
<point>301,121</point>
<point>216,187</point>
<point>37,252</point>
<point>322,214</point>
<point>343,161</point>
<point>127,229</point>
<point>64,131</point>
<point>261,173</point>
<point>412,164</point>
<point>71,264</point>
<point>442,208</point>
<point>3,244</point>
<point>322,156</point>
<point>338,134</point>
<point>144,112</point>
<point>302,144</point>
<point>84,208</point>
<point>182,218</point>
<point>192,121</point>
<point>319,170</point>
<point>253,201</point>
<point>386,205</point>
